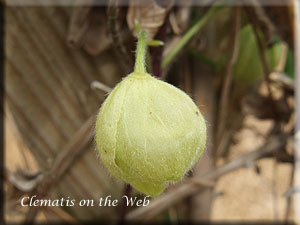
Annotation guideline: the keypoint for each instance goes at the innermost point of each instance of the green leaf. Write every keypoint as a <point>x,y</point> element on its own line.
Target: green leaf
<point>248,67</point>
<point>289,66</point>
<point>155,43</point>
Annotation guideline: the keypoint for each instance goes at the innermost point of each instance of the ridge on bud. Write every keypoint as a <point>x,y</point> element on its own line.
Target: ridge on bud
<point>148,132</point>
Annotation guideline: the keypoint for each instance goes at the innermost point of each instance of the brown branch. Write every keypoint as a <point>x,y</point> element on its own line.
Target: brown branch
<point>283,80</point>
<point>97,85</point>
<point>223,110</point>
<point>62,162</point>
<point>120,49</point>
<point>186,189</point>
<point>62,215</point>
<point>73,148</point>
<point>201,182</point>
<point>261,49</point>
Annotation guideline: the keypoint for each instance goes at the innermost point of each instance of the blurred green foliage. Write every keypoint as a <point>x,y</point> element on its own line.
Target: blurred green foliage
<point>248,67</point>
<point>289,66</point>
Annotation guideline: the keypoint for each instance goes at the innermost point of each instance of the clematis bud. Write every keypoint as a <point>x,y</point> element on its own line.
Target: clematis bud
<point>148,132</point>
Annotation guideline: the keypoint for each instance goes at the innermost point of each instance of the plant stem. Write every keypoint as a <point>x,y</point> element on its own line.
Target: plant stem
<point>189,34</point>
<point>141,53</point>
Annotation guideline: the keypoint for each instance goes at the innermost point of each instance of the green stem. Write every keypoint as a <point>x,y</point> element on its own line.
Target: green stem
<point>189,34</point>
<point>141,53</point>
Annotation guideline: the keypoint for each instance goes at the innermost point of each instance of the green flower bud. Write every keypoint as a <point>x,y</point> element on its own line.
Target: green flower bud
<point>148,132</point>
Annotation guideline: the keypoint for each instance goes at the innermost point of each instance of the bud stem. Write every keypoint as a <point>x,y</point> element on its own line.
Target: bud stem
<point>141,53</point>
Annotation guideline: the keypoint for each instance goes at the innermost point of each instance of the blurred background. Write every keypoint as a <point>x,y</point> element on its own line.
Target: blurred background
<point>235,60</point>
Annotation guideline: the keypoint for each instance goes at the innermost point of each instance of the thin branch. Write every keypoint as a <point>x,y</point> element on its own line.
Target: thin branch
<point>283,80</point>
<point>201,182</point>
<point>62,163</point>
<point>100,86</point>
<point>64,160</point>
<point>261,49</point>
<point>186,189</point>
<point>73,149</point>
<point>120,49</point>
<point>62,215</point>
<point>223,108</point>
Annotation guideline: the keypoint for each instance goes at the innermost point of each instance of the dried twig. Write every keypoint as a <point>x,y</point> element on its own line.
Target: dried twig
<point>228,80</point>
<point>63,161</point>
<point>120,49</point>
<point>261,49</point>
<point>183,190</point>
<point>21,181</point>
<point>62,215</point>
<point>282,79</point>
<point>174,24</point>
<point>201,182</point>
<point>100,86</point>
<point>263,21</point>
<point>180,19</point>
<point>73,149</point>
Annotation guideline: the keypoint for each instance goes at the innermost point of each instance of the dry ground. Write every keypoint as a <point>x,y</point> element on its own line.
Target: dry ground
<point>241,195</point>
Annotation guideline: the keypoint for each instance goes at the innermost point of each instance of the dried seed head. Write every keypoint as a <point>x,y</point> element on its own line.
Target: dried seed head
<point>148,132</point>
